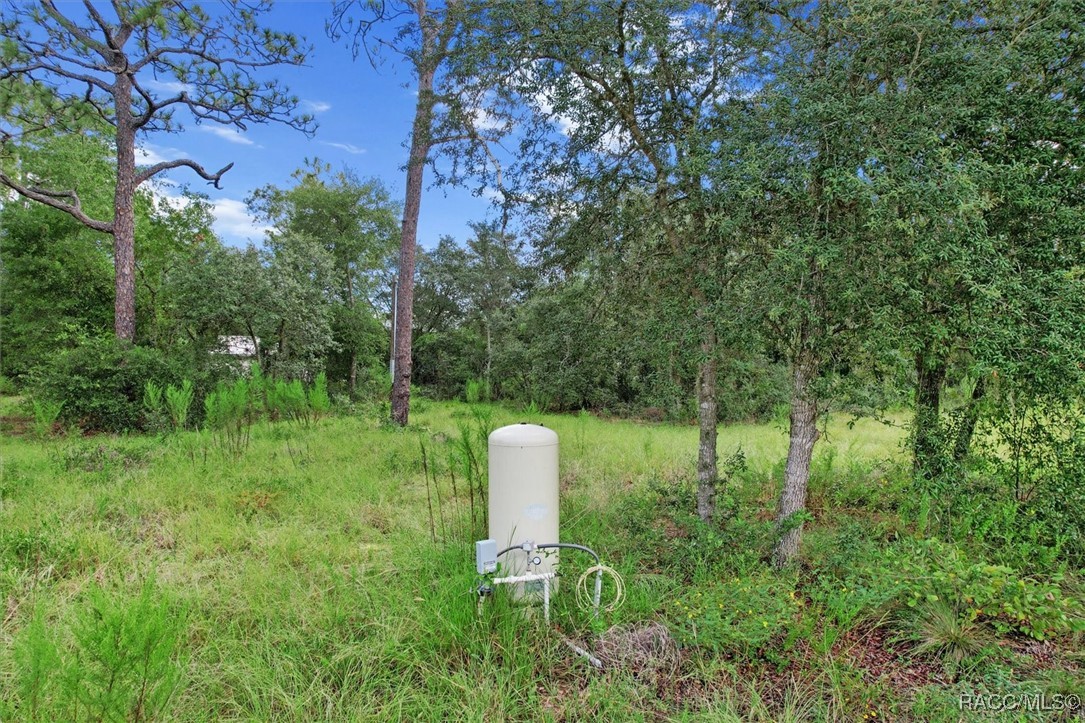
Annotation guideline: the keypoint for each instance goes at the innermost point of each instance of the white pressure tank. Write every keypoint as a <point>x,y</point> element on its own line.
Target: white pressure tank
<point>524,494</point>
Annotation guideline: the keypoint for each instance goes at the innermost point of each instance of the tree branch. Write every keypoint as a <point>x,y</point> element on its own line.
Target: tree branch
<point>157,168</point>
<point>61,71</point>
<point>156,55</point>
<point>76,31</point>
<point>73,208</point>
<point>104,26</point>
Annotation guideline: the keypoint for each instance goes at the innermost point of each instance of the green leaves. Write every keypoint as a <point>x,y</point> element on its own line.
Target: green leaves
<point>931,572</point>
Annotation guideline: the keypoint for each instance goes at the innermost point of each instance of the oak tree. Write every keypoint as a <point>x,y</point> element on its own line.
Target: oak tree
<point>354,221</point>
<point>624,100</point>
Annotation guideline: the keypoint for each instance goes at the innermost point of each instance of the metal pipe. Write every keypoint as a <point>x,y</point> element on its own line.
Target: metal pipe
<point>546,598</point>
<point>530,577</point>
<point>570,546</point>
<point>548,545</point>
<point>598,590</point>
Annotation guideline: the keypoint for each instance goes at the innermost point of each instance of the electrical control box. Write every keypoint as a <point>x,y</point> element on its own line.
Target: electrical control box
<point>486,556</point>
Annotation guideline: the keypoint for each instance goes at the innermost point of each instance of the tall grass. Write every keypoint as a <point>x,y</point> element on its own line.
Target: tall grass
<point>308,578</point>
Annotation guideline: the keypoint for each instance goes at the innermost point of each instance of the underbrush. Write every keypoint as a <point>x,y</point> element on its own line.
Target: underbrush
<point>325,572</point>
<point>878,620</point>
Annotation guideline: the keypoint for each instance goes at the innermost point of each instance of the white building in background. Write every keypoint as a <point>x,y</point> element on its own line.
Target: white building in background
<point>243,348</point>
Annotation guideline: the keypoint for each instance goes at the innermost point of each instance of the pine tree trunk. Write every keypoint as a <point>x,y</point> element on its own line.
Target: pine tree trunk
<point>420,147</point>
<point>926,446</point>
<point>707,420</point>
<point>124,218</point>
<point>803,435</point>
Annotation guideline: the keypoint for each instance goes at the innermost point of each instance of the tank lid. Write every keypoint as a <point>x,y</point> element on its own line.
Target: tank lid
<point>523,435</point>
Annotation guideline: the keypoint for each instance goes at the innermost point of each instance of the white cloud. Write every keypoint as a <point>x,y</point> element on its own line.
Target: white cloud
<point>160,192</point>
<point>148,155</point>
<point>234,224</point>
<point>316,106</point>
<point>483,120</point>
<point>168,86</point>
<point>613,140</point>
<point>227,134</point>
<point>348,147</point>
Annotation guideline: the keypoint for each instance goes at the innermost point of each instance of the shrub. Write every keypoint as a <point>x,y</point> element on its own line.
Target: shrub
<point>101,384</point>
<point>930,571</point>
<point>319,401</point>
<point>287,400</point>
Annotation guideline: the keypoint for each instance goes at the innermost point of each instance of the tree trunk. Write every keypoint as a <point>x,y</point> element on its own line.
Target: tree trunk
<point>707,420</point>
<point>803,434</point>
<point>420,147</point>
<point>926,445</point>
<point>258,352</point>
<point>353,379</point>
<point>353,372</point>
<point>963,444</point>
<point>124,217</point>
<point>489,357</point>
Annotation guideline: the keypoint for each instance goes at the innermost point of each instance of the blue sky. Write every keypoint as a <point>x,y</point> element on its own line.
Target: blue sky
<point>364,118</point>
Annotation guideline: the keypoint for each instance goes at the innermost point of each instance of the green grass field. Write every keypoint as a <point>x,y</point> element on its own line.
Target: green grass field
<point>162,578</point>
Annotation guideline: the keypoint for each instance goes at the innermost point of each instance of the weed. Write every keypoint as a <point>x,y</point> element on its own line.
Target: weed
<point>741,616</point>
<point>316,590</point>
<point>46,414</point>
<point>939,631</point>
<point>931,572</point>
<point>122,661</point>
<point>154,408</point>
<point>37,550</point>
<point>287,400</point>
<point>12,479</point>
<point>230,415</point>
<point>37,660</point>
<point>178,402</point>
<point>749,704</point>
<point>111,456</point>
<point>126,664</point>
<point>251,503</point>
